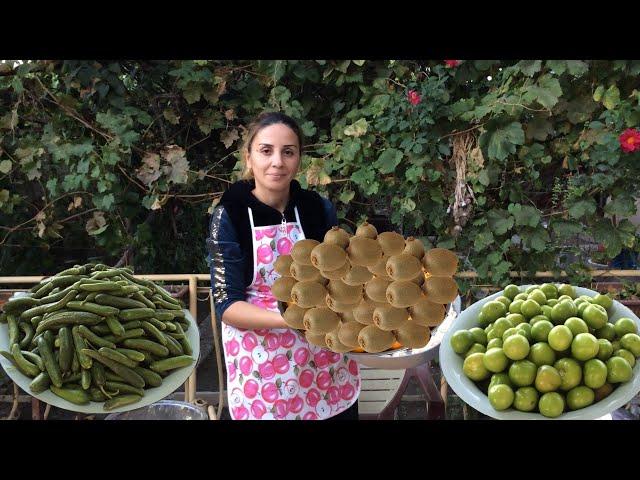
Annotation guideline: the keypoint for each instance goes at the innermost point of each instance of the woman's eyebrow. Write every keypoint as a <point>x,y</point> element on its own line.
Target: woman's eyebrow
<point>269,145</point>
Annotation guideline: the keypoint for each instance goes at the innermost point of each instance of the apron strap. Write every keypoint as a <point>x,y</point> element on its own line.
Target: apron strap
<point>251,219</point>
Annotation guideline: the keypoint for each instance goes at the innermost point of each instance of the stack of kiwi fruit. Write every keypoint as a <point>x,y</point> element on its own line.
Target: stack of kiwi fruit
<point>369,292</point>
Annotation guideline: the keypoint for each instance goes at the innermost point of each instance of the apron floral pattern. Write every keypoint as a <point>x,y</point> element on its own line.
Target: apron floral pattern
<point>276,373</point>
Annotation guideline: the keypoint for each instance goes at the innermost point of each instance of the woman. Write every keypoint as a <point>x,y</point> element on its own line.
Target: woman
<point>272,371</point>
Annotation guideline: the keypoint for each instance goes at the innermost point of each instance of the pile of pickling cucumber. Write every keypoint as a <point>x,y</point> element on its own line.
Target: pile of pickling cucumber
<point>96,333</point>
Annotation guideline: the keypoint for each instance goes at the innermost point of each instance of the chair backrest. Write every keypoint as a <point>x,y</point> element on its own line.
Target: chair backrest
<point>377,389</point>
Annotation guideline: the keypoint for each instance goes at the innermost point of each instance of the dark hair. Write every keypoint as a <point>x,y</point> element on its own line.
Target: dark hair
<point>264,120</point>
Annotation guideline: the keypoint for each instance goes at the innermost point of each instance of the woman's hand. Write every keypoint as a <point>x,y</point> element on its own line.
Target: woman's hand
<point>245,315</point>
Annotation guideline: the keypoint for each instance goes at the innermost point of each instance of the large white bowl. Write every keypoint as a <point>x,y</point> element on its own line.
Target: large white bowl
<point>451,364</point>
<point>169,383</point>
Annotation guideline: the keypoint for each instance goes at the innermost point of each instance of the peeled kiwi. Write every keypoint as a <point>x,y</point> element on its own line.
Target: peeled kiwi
<point>373,340</point>
<point>440,262</point>
<point>403,293</point>
<point>337,236</point>
<point>412,335</point>
<point>338,273</point>
<point>303,273</point>
<point>339,307</point>
<point>367,230</point>
<point>389,318</point>
<point>347,315</point>
<point>392,243</point>
<point>414,246</point>
<point>317,339</point>
<point>301,251</point>
<point>426,313</point>
<point>334,344</point>
<point>358,275</point>
<point>348,333</point>
<point>282,265</point>
<point>380,268</point>
<point>440,289</point>
<point>320,320</point>
<point>364,251</point>
<point>377,289</point>
<point>294,315</point>
<point>281,288</point>
<point>343,293</point>
<point>403,267</point>
<point>308,294</point>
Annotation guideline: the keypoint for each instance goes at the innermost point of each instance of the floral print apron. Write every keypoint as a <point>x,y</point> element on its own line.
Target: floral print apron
<point>275,373</point>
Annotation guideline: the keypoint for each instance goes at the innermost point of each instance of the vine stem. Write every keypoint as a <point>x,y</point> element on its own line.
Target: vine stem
<point>460,133</point>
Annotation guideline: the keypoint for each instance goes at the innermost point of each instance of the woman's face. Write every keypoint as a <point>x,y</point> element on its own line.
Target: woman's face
<point>274,157</point>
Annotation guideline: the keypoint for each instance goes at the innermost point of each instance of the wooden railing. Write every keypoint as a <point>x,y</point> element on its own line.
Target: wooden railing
<point>190,390</point>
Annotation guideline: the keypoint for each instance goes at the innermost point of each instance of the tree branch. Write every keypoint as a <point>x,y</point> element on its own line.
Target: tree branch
<point>18,227</point>
<point>145,190</point>
<point>72,113</point>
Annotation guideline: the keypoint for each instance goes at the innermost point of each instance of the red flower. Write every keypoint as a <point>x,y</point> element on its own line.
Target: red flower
<point>452,63</point>
<point>413,97</point>
<point>630,140</point>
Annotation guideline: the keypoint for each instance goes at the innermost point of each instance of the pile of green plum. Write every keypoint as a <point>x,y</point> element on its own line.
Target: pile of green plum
<point>547,350</point>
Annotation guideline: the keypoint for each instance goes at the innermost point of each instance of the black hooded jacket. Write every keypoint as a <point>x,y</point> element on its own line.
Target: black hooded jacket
<point>230,243</point>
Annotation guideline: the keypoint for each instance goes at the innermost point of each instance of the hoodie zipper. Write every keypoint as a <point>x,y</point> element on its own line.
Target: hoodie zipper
<point>283,226</point>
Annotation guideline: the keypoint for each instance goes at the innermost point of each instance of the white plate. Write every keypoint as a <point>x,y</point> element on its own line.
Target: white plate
<point>451,364</point>
<point>169,383</point>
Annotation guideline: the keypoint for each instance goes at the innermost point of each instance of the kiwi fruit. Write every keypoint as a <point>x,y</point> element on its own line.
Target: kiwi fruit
<point>308,294</point>
<point>334,344</point>
<point>337,236</point>
<point>414,246</point>
<point>347,315</point>
<point>338,307</point>
<point>419,279</point>
<point>358,275</point>
<point>426,313</point>
<point>380,268</point>
<point>317,339</point>
<point>367,230</point>
<point>294,315</point>
<point>440,289</point>
<point>303,273</point>
<point>282,265</point>
<point>440,262</point>
<point>343,293</point>
<point>363,312</point>
<point>412,335</point>
<point>392,243</point>
<point>403,293</point>
<point>348,333</point>
<point>328,256</point>
<point>281,288</point>
<point>301,251</point>
<point>403,267</point>
<point>390,318</point>
<point>320,320</point>
<point>373,340</point>
<point>377,289</point>
<point>364,251</point>
<point>338,273</point>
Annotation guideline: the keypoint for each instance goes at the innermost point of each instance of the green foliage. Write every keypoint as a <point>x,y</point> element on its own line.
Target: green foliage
<point>97,157</point>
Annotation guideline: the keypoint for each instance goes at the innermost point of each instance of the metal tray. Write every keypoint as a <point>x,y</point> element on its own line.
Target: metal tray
<point>403,358</point>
